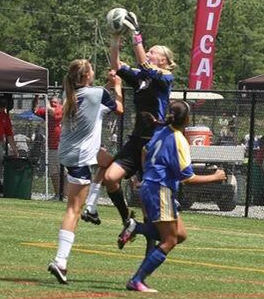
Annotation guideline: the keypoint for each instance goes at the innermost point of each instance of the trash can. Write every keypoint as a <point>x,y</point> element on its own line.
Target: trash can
<point>18,176</point>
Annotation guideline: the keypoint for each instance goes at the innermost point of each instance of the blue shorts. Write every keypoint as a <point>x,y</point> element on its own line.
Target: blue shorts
<point>159,202</point>
<point>79,175</point>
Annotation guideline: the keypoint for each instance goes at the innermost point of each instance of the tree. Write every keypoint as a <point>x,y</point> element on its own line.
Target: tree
<point>51,33</point>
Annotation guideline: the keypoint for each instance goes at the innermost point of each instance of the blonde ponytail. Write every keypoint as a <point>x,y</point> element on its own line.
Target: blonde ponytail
<point>74,79</point>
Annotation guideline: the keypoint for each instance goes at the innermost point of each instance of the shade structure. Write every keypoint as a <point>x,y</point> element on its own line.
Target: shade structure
<point>253,83</point>
<point>19,76</point>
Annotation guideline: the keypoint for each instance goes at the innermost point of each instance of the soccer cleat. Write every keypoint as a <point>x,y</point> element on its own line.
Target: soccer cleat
<point>55,197</point>
<point>89,217</point>
<point>128,233</point>
<point>131,214</point>
<point>139,286</point>
<point>59,273</point>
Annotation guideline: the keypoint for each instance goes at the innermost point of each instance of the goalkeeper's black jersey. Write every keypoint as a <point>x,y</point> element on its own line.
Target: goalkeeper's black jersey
<point>151,87</point>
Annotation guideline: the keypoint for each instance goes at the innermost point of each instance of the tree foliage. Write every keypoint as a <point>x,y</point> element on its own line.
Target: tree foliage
<point>51,33</point>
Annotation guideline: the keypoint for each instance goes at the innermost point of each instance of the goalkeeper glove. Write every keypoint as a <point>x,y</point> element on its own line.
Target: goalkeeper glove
<point>131,23</point>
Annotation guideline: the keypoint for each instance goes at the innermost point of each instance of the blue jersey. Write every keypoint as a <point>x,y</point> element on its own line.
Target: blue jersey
<point>151,86</point>
<point>168,159</point>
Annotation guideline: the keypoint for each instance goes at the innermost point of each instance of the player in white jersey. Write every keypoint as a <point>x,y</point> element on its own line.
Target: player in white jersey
<point>79,145</point>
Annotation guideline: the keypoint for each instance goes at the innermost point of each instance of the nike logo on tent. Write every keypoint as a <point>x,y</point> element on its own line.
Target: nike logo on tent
<point>21,84</point>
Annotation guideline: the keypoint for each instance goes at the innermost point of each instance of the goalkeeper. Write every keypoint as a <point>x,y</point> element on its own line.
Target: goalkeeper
<point>151,82</point>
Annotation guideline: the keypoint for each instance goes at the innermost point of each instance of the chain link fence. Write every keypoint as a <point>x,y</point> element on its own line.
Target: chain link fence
<point>30,135</point>
<point>225,131</point>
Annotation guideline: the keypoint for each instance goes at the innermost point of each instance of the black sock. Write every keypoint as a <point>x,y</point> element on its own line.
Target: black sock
<point>118,200</point>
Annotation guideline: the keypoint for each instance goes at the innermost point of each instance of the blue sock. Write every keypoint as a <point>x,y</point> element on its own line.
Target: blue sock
<point>148,230</point>
<point>150,264</point>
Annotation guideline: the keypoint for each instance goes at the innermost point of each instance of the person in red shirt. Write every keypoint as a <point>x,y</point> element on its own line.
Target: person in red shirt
<point>6,134</point>
<point>54,130</point>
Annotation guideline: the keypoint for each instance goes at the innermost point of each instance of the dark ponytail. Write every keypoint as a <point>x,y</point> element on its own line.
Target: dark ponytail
<point>178,113</point>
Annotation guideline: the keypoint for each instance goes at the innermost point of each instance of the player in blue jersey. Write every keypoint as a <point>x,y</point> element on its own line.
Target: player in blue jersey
<point>167,163</point>
<point>151,82</point>
<point>79,145</point>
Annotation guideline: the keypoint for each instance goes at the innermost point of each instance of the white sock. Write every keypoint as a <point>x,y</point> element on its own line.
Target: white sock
<point>66,240</point>
<point>92,198</point>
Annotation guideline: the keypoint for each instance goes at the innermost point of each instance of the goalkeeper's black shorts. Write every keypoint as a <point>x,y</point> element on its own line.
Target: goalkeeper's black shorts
<point>129,157</point>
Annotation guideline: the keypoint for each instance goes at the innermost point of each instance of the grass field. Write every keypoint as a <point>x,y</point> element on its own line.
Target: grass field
<point>222,258</point>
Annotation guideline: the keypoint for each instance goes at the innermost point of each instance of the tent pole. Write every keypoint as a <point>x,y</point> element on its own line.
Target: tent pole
<point>46,149</point>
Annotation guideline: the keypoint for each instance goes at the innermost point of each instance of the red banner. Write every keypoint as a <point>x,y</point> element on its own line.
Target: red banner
<point>208,14</point>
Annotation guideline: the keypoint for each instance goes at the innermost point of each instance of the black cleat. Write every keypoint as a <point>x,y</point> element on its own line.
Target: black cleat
<point>60,274</point>
<point>127,234</point>
<point>89,217</point>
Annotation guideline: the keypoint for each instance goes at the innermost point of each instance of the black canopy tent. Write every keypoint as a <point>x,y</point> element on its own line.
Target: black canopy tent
<point>18,76</point>
<point>253,83</point>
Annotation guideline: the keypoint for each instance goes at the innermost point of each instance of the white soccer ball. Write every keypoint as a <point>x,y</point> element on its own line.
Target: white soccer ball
<point>115,18</point>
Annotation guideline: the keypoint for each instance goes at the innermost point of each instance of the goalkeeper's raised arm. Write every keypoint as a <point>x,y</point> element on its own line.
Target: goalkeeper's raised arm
<point>131,23</point>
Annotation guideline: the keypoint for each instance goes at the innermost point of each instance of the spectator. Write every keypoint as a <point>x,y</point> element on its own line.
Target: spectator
<point>223,122</point>
<point>54,130</point>
<point>232,126</point>
<point>6,134</point>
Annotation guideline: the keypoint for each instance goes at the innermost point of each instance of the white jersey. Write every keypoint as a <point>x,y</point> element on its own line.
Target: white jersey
<point>95,140</point>
<point>80,141</point>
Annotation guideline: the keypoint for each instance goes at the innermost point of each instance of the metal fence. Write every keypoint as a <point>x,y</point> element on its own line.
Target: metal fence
<point>30,134</point>
<point>225,132</point>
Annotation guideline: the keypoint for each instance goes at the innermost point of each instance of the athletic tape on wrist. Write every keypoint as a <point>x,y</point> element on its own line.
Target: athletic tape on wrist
<point>137,39</point>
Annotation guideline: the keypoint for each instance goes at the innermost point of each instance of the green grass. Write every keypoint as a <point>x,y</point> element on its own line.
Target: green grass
<point>222,257</point>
